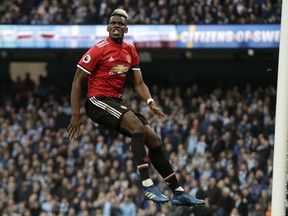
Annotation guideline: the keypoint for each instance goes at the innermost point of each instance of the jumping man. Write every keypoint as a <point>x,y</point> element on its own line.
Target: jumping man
<point>105,66</point>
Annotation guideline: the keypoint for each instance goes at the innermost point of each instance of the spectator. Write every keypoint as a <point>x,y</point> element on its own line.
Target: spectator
<point>127,207</point>
<point>226,202</point>
<point>241,204</point>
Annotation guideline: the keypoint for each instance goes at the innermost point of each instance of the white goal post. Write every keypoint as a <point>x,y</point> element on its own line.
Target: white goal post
<point>281,124</point>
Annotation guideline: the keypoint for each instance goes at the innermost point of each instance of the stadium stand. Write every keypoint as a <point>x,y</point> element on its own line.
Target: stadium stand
<point>141,12</point>
<point>224,138</point>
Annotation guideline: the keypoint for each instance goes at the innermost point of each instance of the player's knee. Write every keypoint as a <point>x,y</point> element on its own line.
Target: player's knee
<point>157,140</point>
<point>153,141</point>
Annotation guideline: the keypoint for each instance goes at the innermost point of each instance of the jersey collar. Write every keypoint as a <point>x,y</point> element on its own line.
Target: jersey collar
<point>112,42</point>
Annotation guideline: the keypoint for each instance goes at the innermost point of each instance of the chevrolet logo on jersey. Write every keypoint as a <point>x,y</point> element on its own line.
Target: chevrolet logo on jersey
<point>118,70</point>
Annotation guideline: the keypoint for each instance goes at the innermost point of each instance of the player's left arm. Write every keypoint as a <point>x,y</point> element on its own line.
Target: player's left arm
<point>143,91</point>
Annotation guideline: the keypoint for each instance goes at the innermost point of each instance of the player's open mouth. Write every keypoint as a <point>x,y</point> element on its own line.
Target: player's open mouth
<point>116,31</point>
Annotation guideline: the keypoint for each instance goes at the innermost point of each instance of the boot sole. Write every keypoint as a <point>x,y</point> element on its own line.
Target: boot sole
<point>192,205</point>
<point>157,202</point>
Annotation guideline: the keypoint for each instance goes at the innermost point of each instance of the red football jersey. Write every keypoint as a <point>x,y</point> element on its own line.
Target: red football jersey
<point>107,63</point>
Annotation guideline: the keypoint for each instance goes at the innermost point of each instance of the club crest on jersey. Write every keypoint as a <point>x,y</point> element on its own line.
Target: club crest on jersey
<point>128,59</point>
<point>119,70</point>
<point>87,58</point>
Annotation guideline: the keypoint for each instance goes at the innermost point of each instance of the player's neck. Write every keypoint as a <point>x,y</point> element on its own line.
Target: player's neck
<point>117,40</point>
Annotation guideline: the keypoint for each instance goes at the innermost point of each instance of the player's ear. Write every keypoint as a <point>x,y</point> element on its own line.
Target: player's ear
<point>126,29</point>
<point>108,28</point>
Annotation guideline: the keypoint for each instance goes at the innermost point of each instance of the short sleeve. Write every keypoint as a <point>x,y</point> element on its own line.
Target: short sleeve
<point>90,60</point>
<point>135,59</point>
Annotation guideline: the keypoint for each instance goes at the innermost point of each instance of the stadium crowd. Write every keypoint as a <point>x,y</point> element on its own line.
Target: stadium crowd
<point>220,143</point>
<point>141,11</point>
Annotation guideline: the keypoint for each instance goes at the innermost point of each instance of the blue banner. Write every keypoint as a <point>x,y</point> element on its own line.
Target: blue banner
<point>142,36</point>
<point>228,36</point>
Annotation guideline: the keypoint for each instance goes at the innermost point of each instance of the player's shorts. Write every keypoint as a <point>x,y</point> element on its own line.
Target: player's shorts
<point>107,112</point>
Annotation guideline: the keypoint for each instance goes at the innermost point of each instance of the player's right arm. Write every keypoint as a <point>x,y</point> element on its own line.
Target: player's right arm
<point>75,122</point>
<point>85,67</point>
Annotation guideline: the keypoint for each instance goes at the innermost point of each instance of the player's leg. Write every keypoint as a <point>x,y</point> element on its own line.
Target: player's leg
<point>161,163</point>
<point>109,112</point>
<point>132,125</point>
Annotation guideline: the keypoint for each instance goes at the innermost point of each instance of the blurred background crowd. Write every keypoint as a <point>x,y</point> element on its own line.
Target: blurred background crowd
<point>219,141</point>
<point>141,11</point>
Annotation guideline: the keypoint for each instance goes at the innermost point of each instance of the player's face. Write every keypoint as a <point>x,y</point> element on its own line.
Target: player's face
<point>117,27</point>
